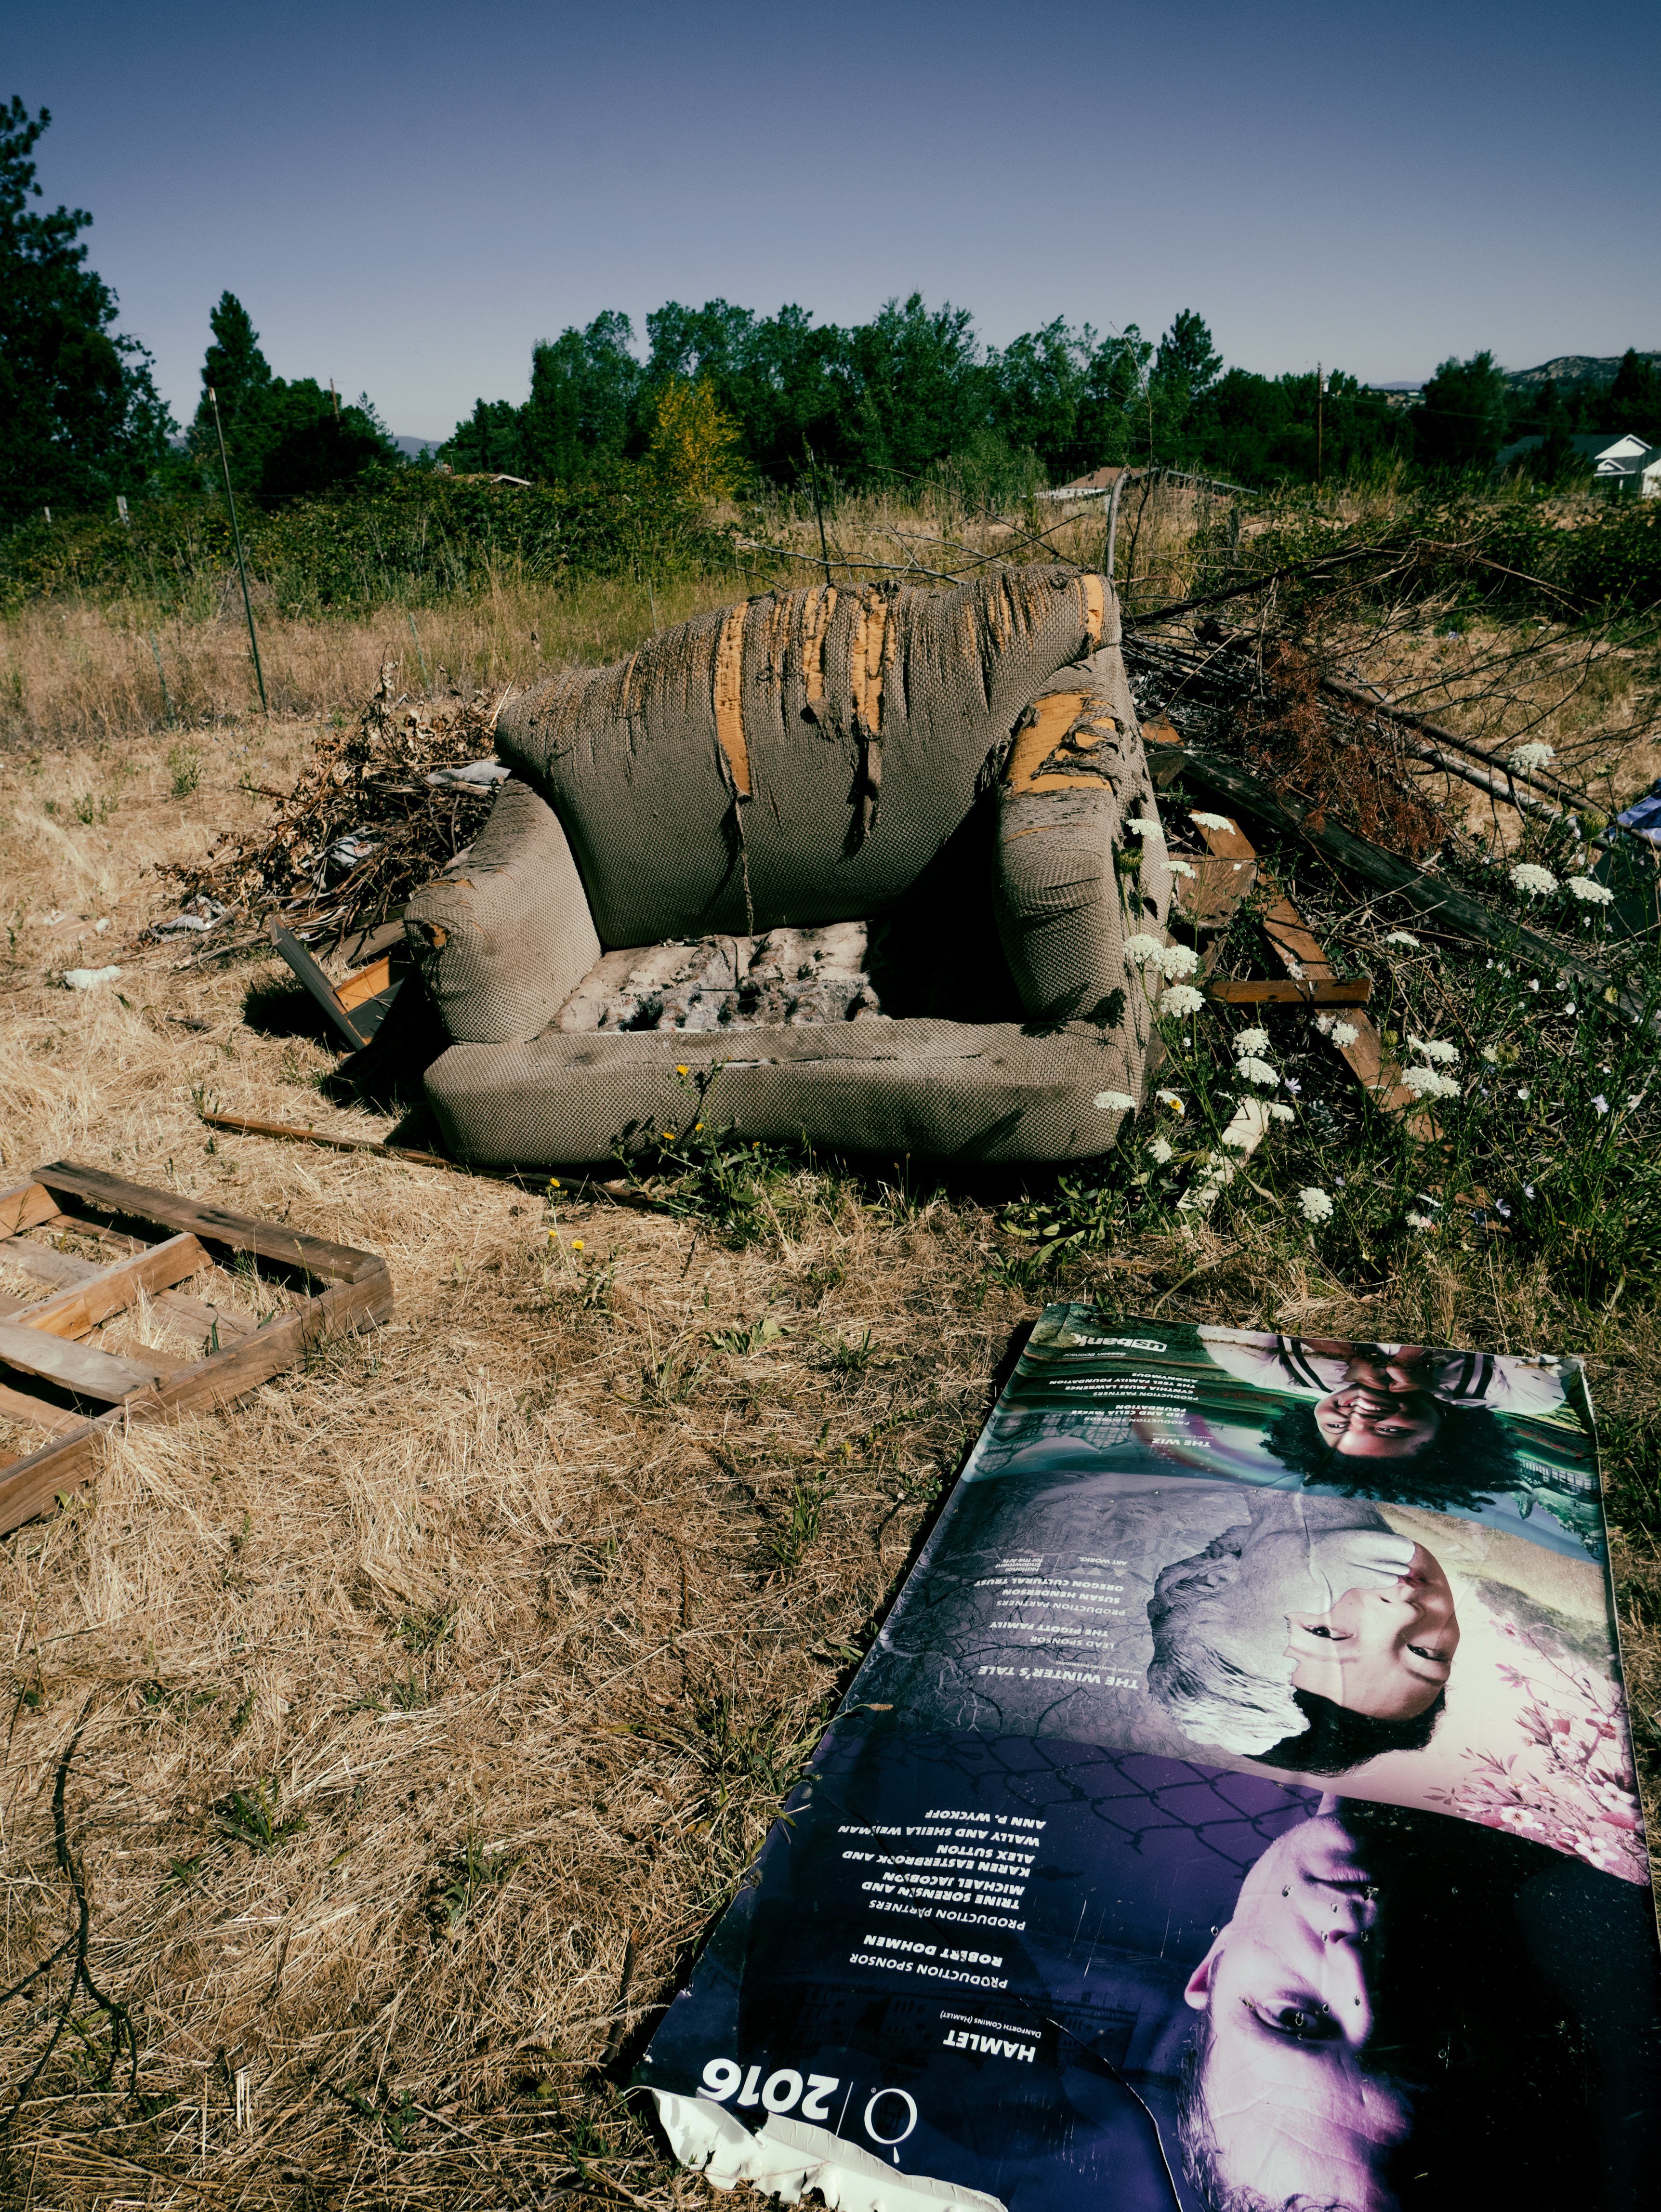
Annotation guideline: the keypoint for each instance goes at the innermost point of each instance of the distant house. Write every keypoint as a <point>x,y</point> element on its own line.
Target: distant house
<point>1097,485</point>
<point>1621,463</point>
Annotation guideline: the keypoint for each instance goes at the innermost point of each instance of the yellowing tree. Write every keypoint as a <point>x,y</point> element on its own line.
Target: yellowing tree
<point>696,445</point>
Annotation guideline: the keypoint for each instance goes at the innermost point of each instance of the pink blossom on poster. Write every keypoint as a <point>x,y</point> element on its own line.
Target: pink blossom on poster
<point>1583,1797</point>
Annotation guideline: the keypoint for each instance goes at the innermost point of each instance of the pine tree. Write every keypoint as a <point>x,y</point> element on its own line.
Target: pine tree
<point>80,417</point>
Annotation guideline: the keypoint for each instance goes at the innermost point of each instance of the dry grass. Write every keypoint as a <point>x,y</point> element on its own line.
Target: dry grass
<point>527,1607</point>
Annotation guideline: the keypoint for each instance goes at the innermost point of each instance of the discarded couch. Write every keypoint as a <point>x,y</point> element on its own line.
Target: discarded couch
<point>953,767</point>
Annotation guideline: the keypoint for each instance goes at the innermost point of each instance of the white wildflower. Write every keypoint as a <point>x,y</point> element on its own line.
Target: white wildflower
<point>1257,1070</point>
<point>1209,821</point>
<point>1116,1102</point>
<point>1404,937</point>
<point>1490,1055</point>
<point>1252,1041</point>
<point>1146,826</point>
<point>1161,1151</point>
<point>1425,1083</point>
<point>1313,1204</point>
<point>1177,961</point>
<point>1570,1008</point>
<point>1181,999</point>
<point>1533,755</point>
<point>1179,868</point>
<point>1344,1033</point>
<point>1140,948</point>
<point>1432,1049</point>
<point>1171,1099</point>
<point>1532,881</point>
<point>1601,1103</point>
<point>1325,1024</point>
<point>1276,1112</point>
<point>1591,893</point>
<point>1524,1094</point>
<point>1420,1221</point>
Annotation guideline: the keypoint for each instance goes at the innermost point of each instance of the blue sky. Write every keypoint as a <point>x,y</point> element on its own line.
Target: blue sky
<point>406,198</point>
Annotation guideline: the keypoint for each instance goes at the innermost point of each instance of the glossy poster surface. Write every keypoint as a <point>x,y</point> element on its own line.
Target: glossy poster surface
<point>1237,1810</point>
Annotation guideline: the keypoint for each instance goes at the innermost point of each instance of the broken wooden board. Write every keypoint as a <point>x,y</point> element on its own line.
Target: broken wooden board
<point>1304,991</point>
<point>52,1374</point>
<point>1303,958</point>
<point>355,1007</point>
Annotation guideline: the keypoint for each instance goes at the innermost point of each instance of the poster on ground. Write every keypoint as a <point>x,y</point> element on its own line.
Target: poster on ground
<point>1236,1811</point>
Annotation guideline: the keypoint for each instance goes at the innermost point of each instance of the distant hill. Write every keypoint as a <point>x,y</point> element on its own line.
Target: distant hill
<point>415,447</point>
<point>1571,368</point>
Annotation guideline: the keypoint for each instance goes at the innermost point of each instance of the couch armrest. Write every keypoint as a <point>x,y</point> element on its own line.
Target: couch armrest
<point>504,939</point>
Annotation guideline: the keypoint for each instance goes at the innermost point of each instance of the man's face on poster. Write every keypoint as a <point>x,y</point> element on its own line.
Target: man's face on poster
<point>1293,2107</point>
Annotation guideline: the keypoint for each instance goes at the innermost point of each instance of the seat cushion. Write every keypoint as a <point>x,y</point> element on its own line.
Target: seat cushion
<point>937,1090</point>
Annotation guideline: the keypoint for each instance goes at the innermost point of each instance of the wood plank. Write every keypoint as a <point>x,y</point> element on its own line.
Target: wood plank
<point>105,1290</point>
<point>74,1367</point>
<point>31,1487</point>
<point>56,1420</point>
<point>1302,955</point>
<point>197,1317</point>
<point>214,1225</point>
<point>323,992</point>
<point>367,983</point>
<point>46,1263</point>
<point>1308,992</point>
<point>25,1205</point>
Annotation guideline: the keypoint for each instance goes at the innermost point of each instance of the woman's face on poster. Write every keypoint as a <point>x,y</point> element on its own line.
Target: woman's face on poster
<point>1365,1420</point>
<point>1385,1652</point>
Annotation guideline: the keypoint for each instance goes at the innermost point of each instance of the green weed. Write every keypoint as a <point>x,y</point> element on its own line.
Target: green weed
<point>251,1817</point>
<point>184,765</point>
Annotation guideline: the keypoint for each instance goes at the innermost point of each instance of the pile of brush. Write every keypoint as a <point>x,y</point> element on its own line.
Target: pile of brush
<point>382,807</point>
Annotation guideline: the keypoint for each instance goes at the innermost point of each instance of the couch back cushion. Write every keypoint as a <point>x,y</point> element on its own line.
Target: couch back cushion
<point>798,759</point>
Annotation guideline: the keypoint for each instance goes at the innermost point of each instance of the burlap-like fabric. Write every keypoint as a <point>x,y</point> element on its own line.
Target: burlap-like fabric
<point>939,1090</point>
<point>823,743</point>
<point>806,758</point>
<point>506,937</point>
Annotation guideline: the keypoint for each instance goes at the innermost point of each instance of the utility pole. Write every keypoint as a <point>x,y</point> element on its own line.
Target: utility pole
<point>1320,394</point>
<point>241,565</point>
<point>334,395</point>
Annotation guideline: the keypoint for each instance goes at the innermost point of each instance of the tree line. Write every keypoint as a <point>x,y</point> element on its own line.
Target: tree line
<point>904,397</point>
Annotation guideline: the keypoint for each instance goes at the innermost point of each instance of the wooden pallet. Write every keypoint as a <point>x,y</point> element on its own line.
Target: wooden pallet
<point>107,1252</point>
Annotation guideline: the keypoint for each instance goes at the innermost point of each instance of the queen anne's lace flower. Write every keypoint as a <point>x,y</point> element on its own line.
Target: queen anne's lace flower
<point>1535,755</point>
<point>1145,826</point>
<point>1276,1112</point>
<point>1140,948</point>
<point>1177,961</point>
<point>1253,1070</point>
<point>1209,821</point>
<point>1591,893</point>
<point>1161,1151</point>
<point>1179,867</point>
<point>1344,1033</point>
<point>1425,1083</point>
<point>1181,999</point>
<point>1314,1204</point>
<point>1116,1102</point>
<point>1433,1048</point>
<point>1533,881</point>
<point>1252,1041</point>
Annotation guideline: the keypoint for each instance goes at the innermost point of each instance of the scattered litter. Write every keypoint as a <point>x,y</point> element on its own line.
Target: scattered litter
<point>88,979</point>
<point>198,914</point>
<point>478,774</point>
<point>1643,817</point>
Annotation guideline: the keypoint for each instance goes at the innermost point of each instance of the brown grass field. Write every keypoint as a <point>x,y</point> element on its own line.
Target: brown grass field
<point>513,1620</point>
